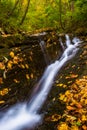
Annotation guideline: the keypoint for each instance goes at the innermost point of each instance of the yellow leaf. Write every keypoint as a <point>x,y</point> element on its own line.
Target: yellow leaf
<point>74,76</point>
<point>61,96</point>
<point>2,66</point>
<point>69,82</point>
<point>9,65</point>
<point>63,126</point>
<point>27,76</point>
<point>85,101</point>
<point>4,91</point>
<point>74,128</point>
<point>55,117</point>
<point>11,54</point>
<point>15,60</point>
<point>22,66</point>
<point>67,92</point>
<point>26,65</point>
<point>70,108</point>
<point>2,101</point>
<point>16,81</point>
<point>30,58</point>
<point>32,75</point>
<point>84,118</point>
<point>84,127</point>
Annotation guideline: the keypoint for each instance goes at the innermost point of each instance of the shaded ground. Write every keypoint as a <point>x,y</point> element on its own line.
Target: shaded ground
<point>22,67</point>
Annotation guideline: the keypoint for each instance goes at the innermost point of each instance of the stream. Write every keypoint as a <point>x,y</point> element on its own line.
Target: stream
<point>28,114</point>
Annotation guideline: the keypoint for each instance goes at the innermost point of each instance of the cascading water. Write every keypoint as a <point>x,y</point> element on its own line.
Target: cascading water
<point>26,115</point>
<point>44,51</point>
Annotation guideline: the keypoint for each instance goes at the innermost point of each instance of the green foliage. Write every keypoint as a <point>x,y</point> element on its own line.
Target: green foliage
<point>42,14</point>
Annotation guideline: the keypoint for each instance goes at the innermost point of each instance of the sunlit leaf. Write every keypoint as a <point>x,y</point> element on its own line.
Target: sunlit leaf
<point>84,127</point>
<point>55,117</point>
<point>30,58</point>
<point>4,91</point>
<point>70,108</point>
<point>22,66</point>
<point>63,126</point>
<point>9,65</point>
<point>16,81</point>
<point>32,75</point>
<point>26,65</point>
<point>74,128</point>
<point>2,66</point>
<point>15,60</point>
<point>11,54</point>
<point>27,76</point>
<point>84,118</point>
<point>2,101</point>
<point>69,82</point>
<point>61,96</point>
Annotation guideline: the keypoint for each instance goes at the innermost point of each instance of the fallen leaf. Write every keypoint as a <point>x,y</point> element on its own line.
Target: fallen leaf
<point>11,54</point>
<point>32,76</point>
<point>4,91</point>
<point>16,81</point>
<point>9,65</point>
<point>84,118</point>
<point>1,80</point>
<point>27,76</point>
<point>2,101</point>
<point>70,108</point>
<point>63,126</point>
<point>2,66</point>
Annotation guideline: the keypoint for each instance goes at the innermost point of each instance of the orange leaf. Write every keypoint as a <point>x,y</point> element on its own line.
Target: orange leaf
<point>70,108</point>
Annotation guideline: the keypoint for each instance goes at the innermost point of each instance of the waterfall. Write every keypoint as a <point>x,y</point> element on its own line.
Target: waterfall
<point>27,115</point>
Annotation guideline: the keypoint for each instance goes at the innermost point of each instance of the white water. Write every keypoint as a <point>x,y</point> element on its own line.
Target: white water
<point>21,115</point>
<point>45,52</point>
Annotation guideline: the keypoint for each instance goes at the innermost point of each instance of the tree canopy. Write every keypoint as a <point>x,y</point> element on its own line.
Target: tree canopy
<point>30,15</point>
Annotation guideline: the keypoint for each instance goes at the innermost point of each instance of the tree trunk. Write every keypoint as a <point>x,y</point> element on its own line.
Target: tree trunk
<point>16,3</point>
<point>60,13</point>
<point>26,10</point>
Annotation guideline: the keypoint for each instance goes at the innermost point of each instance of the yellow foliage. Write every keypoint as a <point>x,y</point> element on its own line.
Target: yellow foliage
<point>4,91</point>
<point>84,127</point>
<point>69,82</point>
<point>2,66</point>
<point>84,118</point>
<point>55,117</point>
<point>16,81</point>
<point>22,66</point>
<point>30,58</point>
<point>63,126</point>
<point>27,76</point>
<point>26,65</point>
<point>32,75</point>
<point>2,101</point>
<point>9,65</point>
<point>15,60</point>
<point>74,128</point>
<point>70,108</point>
<point>11,54</point>
<point>62,97</point>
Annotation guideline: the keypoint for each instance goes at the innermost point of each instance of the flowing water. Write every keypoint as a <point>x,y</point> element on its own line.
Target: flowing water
<point>27,115</point>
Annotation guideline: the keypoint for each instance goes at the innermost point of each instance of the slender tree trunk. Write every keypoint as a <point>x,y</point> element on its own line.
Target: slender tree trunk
<point>16,3</point>
<point>60,13</point>
<point>26,10</point>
